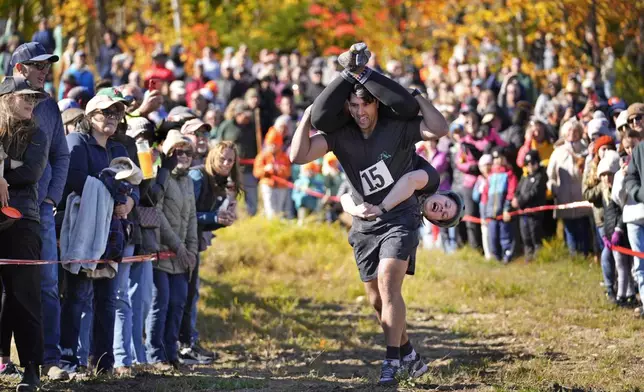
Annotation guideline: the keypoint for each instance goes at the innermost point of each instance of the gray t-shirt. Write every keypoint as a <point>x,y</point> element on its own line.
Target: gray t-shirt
<point>375,164</point>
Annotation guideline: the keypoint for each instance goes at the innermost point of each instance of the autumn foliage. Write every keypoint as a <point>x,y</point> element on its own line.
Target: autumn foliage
<point>393,28</point>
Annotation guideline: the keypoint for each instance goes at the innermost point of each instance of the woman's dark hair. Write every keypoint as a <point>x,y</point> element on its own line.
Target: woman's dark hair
<point>361,92</point>
<point>521,116</point>
<point>84,125</point>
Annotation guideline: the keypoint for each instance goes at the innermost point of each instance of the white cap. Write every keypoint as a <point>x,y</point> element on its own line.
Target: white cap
<point>609,163</point>
<point>101,102</point>
<point>173,139</point>
<point>622,119</point>
<point>597,126</point>
<point>178,87</point>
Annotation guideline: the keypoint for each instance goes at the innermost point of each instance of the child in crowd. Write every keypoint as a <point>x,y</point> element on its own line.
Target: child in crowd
<point>269,164</point>
<point>615,235</point>
<point>496,198</point>
<point>334,178</point>
<point>305,203</point>
<point>485,166</point>
<point>531,193</point>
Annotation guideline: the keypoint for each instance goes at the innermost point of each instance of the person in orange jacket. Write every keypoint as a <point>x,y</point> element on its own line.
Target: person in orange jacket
<point>270,164</point>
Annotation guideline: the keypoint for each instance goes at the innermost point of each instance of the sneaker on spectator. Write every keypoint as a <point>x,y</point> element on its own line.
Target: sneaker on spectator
<point>10,371</point>
<point>163,367</point>
<point>55,373</point>
<point>195,355</point>
<point>415,367</point>
<point>123,371</point>
<point>388,372</point>
<point>68,361</point>
<point>611,297</point>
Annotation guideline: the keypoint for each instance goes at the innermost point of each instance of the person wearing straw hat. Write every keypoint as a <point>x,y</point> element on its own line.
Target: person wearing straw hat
<point>23,145</point>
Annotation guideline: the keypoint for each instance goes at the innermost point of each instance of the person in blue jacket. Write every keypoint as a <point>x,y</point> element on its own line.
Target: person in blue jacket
<point>91,151</point>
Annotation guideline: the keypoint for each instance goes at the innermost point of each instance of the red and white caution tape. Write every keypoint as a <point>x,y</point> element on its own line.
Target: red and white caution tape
<point>131,259</point>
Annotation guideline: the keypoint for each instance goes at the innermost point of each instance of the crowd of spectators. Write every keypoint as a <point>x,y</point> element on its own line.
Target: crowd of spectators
<point>221,130</point>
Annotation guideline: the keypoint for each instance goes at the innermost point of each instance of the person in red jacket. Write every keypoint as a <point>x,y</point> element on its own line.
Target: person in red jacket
<point>272,163</point>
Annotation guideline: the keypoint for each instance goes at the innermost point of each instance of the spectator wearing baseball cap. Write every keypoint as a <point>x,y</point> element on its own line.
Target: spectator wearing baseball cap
<point>81,73</point>
<point>32,61</point>
<point>71,117</point>
<point>531,192</point>
<point>198,132</point>
<point>177,94</point>
<point>92,149</point>
<point>24,157</point>
<point>636,116</point>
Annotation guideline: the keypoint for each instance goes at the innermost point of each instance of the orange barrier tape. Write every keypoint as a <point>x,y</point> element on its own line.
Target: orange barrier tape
<point>309,192</point>
<point>577,204</point>
<point>627,251</point>
<point>131,259</point>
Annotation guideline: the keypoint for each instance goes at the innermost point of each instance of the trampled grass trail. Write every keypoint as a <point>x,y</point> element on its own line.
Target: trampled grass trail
<point>284,307</point>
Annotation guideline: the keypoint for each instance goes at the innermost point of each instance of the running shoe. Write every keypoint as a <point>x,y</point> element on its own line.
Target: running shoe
<point>415,367</point>
<point>388,371</point>
<point>10,371</point>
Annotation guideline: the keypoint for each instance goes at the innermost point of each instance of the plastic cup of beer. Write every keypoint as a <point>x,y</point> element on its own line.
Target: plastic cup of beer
<point>145,158</point>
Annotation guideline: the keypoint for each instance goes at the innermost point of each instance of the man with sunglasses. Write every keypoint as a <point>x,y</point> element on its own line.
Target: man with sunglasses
<point>636,117</point>
<point>634,185</point>
<point>32,61</point>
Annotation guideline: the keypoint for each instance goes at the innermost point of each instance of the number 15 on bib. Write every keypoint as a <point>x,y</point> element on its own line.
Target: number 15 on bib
<point>375,178</point>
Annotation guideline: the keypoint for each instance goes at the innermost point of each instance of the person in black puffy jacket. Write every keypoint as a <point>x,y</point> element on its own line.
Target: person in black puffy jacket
<point>531,192</point>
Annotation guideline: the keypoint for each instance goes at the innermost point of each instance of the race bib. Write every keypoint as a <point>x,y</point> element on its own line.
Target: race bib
<point>375,178</point>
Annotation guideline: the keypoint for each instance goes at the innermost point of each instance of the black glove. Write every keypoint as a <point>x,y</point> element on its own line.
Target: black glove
<point>168,162</point>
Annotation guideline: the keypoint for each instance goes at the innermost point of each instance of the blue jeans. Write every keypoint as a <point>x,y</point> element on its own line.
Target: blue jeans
<point>501,239</point>
<point>188,333</point>
<point>250,187</point>
<point>133,300</point>
<point>578,235</point>
<point>607,262</point>
<point>636,238</point>
<point>49,285</point>
<point>162,326</point>
<point>100,296</point>
<point>448,239</point>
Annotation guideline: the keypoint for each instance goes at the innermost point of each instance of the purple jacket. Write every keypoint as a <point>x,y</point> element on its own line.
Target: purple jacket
<point>470,157</point>
<point>440,162</point>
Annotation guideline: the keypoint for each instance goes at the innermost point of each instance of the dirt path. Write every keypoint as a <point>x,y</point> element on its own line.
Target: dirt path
<point>457,361</point>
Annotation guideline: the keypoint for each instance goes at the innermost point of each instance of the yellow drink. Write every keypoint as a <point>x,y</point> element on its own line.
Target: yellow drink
<point>145,160</point>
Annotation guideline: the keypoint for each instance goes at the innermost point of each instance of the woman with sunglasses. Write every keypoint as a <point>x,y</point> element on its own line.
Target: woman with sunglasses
<point>178,234</point>
<point>23,148</point>
<point>217,184</point>
<point>91,151</point>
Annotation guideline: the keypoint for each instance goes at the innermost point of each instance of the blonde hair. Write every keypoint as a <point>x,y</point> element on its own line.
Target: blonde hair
<point>229,113</point>
<point>15,133</point>
<point>211,165</point>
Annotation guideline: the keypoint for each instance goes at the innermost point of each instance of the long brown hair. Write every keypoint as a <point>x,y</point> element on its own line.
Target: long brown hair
<point>15,134</point>
<point>211,165</point>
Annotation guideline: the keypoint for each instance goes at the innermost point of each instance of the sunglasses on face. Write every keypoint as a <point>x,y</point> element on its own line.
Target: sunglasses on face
<point>31,98</point>
<point>114,114</point>
<point>39,66</point>
<point>636,119</point>
<point>179,153</point>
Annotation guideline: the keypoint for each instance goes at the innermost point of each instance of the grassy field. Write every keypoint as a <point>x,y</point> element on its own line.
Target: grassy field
<point>284,307</point>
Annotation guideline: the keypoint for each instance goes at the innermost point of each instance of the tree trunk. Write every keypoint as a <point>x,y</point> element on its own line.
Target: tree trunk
<point>176,19</point>
<point>640,44</point>
<point>102,15</point>
<point>591,28</point>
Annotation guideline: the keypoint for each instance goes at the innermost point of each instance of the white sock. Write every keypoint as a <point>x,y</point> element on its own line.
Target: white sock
<point>410,357</point>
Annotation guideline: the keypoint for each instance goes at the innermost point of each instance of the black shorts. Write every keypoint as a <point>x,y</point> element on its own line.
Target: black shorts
<point>395,240</point>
